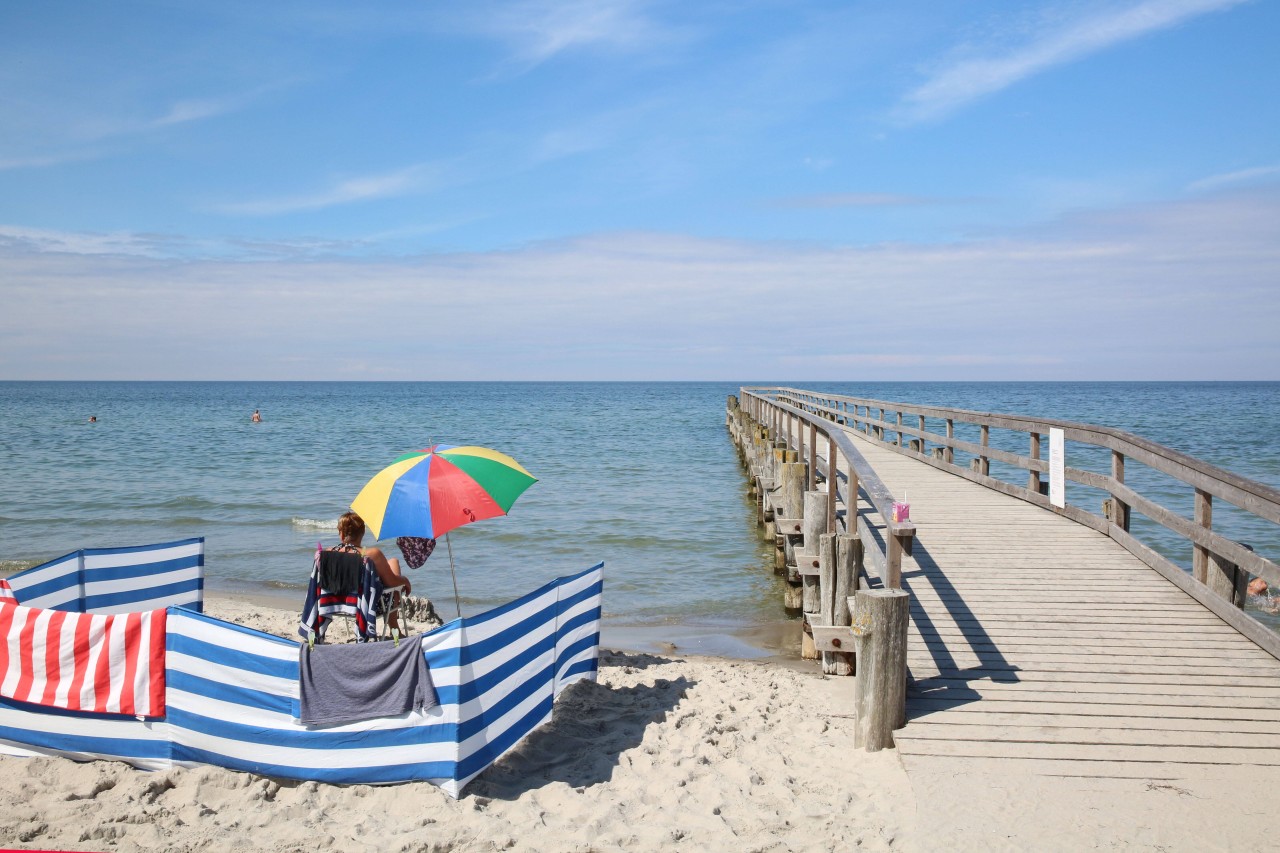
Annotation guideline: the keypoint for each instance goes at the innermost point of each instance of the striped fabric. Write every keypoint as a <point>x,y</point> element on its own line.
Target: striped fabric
<point>6,591</point>
<point>83,662</point>
<point>232,699</point>
<point>117,580</point>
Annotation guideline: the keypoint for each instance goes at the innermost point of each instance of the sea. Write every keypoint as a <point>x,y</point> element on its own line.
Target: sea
<point>640,475</point>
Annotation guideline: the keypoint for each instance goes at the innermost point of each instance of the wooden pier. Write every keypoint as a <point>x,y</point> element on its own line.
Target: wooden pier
<point>1044,638</point>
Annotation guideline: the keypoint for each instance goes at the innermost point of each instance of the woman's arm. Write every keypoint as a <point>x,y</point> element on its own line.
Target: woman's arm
<point>388,570</point>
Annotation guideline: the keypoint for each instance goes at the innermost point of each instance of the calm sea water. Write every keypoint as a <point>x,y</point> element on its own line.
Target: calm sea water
<point>640,475</point>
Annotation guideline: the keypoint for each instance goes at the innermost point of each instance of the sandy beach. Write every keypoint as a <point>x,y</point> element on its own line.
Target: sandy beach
<point>665,752</point>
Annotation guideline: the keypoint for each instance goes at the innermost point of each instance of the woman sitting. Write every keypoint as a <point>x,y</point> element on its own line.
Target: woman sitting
<point>351,532</point>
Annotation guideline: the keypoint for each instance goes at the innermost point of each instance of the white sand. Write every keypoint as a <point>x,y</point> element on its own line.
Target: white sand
<point>665,752</point>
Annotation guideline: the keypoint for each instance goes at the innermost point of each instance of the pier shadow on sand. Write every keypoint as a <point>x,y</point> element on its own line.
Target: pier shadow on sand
<point>593,724</point>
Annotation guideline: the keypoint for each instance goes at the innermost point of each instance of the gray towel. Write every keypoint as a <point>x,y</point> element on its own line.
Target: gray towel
<point>360,681</point>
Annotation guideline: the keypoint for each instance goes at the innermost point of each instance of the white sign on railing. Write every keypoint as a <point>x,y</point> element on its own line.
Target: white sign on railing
<point>1057,468</point>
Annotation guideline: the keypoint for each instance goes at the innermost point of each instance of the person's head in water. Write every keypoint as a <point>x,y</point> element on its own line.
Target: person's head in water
<point>351,528</point>
<point>93,419</point>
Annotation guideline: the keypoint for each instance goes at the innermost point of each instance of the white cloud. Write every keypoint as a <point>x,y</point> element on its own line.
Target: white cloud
<point>1104,295</point>
<point>968,79</point>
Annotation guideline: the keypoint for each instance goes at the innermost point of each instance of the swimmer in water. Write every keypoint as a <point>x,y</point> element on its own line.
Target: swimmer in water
<point>93,419</point>
<point>257,418</point>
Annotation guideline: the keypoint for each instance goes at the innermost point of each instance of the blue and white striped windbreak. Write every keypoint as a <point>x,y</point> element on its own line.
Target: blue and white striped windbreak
<point>232,699</point>
<point>117,580</point>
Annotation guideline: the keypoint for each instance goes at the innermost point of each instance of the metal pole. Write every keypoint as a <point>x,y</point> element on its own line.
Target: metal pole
<point>456,601</point>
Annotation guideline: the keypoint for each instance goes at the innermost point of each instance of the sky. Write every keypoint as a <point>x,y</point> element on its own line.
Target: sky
<point>632,190</point>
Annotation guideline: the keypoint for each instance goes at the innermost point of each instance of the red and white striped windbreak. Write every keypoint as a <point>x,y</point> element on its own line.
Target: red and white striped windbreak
<point>6,591</point>
<point>83,661</point>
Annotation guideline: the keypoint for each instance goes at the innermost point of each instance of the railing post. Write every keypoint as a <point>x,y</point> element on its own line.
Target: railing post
<point>950,455</point>
<point>813,456</point>
<point>1119,509</point>
<point>984,464</point>
<point>1204,518</point>
<point>1033,476</point>
<point>892,560</point>
<point>899,428</point>
<point>832,482</point>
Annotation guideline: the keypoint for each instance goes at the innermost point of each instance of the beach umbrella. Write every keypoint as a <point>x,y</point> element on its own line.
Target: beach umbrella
<point>427,493</point>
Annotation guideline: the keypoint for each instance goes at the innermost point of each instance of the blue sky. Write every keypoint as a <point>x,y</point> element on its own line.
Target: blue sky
<point>640,190</point>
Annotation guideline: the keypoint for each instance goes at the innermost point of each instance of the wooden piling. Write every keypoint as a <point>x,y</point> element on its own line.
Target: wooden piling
<point>791,493</point>
<point>880,691</point>
<point>836,562</point>
<point>808,563</point>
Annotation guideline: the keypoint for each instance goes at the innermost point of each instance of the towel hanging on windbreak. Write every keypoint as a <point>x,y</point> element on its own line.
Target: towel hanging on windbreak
<point>362,681</point>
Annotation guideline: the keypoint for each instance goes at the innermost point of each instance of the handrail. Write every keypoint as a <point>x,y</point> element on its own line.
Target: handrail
<point>1221,567</point>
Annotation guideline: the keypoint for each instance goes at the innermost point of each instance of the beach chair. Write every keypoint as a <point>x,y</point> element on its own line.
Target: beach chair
<point>344,585</point>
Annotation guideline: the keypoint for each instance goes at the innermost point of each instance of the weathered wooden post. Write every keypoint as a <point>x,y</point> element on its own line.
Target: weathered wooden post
<point>880,692</point>
<point>792,495</point>
<point>809,565</point>
<point>1033,476</point>
<point>984,464</point>
<point>813,456</point>
<point>892,558</point>
<point>1204,518</point>
<point>833,481</point>
<point>1221,575</point>
<point>837,560</point>
<point>951,434</point>
<point>1119,509</point>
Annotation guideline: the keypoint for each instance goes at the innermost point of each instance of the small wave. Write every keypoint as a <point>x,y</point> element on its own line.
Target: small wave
<point>11,567</point>
<point>314,523</point>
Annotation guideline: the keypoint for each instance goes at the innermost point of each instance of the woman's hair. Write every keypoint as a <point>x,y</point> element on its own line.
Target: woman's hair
<point>351,528</point>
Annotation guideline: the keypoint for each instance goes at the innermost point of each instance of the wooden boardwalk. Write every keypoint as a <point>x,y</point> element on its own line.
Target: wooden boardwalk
<point>1039,646</point>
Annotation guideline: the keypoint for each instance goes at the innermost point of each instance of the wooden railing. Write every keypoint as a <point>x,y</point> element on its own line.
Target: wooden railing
<point>1221,567</point>
<point>835,557</point>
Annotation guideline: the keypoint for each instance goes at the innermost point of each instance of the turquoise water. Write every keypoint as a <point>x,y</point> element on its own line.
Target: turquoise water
<point>640,475</point>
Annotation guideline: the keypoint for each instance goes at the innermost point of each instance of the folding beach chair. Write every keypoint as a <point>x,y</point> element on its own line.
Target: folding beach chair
<point>343,585</point>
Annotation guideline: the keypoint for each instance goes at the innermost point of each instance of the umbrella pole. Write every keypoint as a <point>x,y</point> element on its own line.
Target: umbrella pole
<point>456,600</point>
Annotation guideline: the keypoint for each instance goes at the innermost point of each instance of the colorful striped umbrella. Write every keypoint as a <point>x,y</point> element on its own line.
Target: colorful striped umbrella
<point>429,492</point>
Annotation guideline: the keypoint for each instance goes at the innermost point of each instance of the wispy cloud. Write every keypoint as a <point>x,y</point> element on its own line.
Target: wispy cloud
<point>416,178</point>
<point>41,161</point>
<point>1242,177</point>
<point>91,135</point>
<point>537,30</point>
<point>966,80</point>
<point>41,240</point>
<point>181,111</point>
<point>825,200</point>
